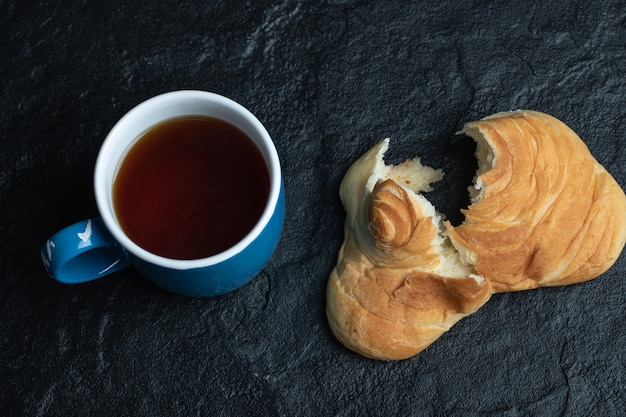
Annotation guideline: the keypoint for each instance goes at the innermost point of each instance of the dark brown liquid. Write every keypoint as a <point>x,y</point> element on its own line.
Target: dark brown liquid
<point>191,187</point>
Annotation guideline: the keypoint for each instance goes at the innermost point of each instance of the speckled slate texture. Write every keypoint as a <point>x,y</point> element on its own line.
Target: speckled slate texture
<point>328,79</point>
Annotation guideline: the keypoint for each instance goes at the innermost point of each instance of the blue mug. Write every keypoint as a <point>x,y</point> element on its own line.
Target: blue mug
<point>97,247</point>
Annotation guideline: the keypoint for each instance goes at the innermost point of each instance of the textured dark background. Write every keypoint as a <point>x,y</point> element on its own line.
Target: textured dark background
<point>328,79</point>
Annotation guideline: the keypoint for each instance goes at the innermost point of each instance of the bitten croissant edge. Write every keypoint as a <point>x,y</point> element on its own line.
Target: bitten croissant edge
<point>543,212</point>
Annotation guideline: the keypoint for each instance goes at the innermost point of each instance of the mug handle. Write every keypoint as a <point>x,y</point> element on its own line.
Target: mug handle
<point>82,252</point>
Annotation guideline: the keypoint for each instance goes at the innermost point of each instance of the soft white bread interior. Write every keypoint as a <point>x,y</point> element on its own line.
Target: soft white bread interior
<point>543,212</point>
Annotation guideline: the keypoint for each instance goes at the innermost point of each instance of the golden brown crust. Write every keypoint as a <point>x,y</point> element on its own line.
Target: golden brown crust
<point>549,214</point>
<point>392,314</point>
<point>544,212</point>
<point>400,229</point>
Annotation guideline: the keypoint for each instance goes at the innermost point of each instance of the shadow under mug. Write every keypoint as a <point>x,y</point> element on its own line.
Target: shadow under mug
<point>97,247</point>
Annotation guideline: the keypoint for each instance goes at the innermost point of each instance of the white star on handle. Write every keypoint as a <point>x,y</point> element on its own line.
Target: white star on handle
<point>86,235</point>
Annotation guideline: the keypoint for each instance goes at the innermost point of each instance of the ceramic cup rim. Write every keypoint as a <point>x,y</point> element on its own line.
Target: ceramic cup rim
<point>179,103</point>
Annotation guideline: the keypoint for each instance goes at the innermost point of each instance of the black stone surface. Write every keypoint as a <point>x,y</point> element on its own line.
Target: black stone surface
<point>328,79</point>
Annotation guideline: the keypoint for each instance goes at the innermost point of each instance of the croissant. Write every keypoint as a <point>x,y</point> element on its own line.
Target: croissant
<point>543,212</point>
